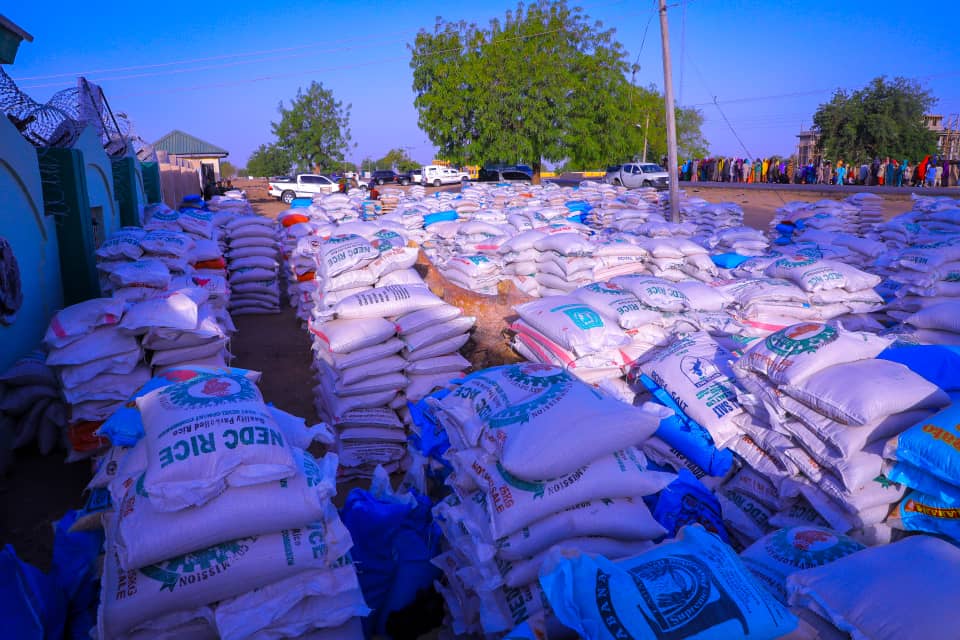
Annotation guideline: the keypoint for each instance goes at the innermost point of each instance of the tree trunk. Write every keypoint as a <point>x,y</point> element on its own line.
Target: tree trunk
<point>536,170</point>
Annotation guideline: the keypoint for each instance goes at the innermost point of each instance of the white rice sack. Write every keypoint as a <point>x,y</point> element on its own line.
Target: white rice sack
<point>441,364</point>
<point>654,292</point>
<point>345,252</point>
<point>616,303</point>
<point>146,273</point>
<point>100,343</point>
<point>360,357</point>
<point>401,277</point>
<point>130,598</point>
<point>431,336</point>
<point>849,595</point>
<point>420,386</point>
<point>123,245</point>
<point>347,336</point>
<point>525,571</point>
<point>940,317</point>
<point>172,310</point>
<point>70,323</point>
<point>566,244</point>
<point>862,392</point>
<point>622,519</point>
<point>297,607</point>
<point>572,324</point>
<point>439,348</point>
<point>385,302</point>
<point>143,533</point>
<point>515,504</point>
<point>808,273</point>
<point>206,434</point>
<point>790,355</point>
<point>703,297</point>
<point>108,386</point>
<point>696,372</point>
<point>167,243</point>
<point>785,551</point>
<point>359,373</point>
<point>426,318</point>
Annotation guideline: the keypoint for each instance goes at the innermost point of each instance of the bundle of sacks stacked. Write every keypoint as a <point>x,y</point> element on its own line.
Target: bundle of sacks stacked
<point>794,218</point>
<point>710,218</point>
<point>926,460</point>
<point>744,241</point>
<point>921,275</point>
<point>869,209</point>
<point>677,259</point>
<point>222,523</point>
<point>821,405</point>
<point>252,265</point>
<point>379,348</point>
<point>30,408</point>
<point>529,478</point>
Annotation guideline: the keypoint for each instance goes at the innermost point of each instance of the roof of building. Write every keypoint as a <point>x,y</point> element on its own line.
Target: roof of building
<point>9,25</point>
<point>178,143</point>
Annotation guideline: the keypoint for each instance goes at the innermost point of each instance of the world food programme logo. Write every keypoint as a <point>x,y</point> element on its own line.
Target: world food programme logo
<point>801,338</point>
<point>182,569</point>
<point>582,316</point>
<point>808,547</point>
<point>795,262</point>
<point>210,390</point>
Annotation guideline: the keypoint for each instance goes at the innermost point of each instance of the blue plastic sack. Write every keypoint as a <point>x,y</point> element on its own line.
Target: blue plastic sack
<point>75,572</point>
<point>728,260</point>
<point>916,478</point>
<point>936,363</point>
<point>687,436</point>
<point>920,512</point>
<point>438,216</point>
<point>394,539</point>
<point>32,606</point>
<point>687,501</point>
<point>693,587</point>
<point>932,445</point>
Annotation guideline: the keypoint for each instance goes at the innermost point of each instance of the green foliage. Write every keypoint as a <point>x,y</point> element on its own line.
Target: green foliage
<point>885,118</point>
<point>242,172</point>
<point>544,83</point>
<point>397,158</point>
<point>314,130</point>
<point>227,170</point>
<point>269,160</point>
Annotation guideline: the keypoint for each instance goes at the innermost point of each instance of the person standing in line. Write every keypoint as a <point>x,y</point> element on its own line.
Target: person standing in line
<point>938,173</point>
<point>841,172</point>
<point>907,173</point>
<point>890,173</point>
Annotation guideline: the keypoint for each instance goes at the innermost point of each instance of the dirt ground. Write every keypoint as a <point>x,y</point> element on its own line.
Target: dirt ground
<point>38,490</point>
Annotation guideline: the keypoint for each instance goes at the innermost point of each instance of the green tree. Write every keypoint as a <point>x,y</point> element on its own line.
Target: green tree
<point>544,83</point>
<point>227,170</point>
<point>397,158</point>
<point>269,160</point>
<point>242,172</point>
<point>885,118</point>
<point>315,129</point>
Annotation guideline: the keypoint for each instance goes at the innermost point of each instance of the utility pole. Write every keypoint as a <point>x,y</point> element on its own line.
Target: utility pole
<point>671,116</point>
<point>646,128</point>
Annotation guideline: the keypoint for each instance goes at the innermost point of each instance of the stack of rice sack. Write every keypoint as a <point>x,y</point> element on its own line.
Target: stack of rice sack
<point>564,259</point>
<point>223,525</point>
<point>378,343</point>
<point>99,365</point>
<point>30,407</point>
<point>529,478</point>
<point>478,273</point>
<point>936,324</point>
<point>132,270</point>
<point>677,259</point>
<point>925,459</point>
<point>869,211</point>
<point>744,241</point>
<point>820,408</point>
<point>922,275</point>
<point>252,265</point>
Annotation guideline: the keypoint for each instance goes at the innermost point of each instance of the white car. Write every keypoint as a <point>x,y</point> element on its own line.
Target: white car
<point>637,174</point>
<point>305,185</point>
<point>436,175</point>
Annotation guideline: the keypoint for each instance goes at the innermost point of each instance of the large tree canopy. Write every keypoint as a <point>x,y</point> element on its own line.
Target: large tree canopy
<point>269,160</point>
<point>885,118</point>
<point>314,130</point>
<point>545,83</point>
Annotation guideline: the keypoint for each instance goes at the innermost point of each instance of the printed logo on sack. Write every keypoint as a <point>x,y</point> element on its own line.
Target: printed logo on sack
<point>682,598</point>
<point>607,288</point>
<point>800,338</point>
<point>198,566</point>
<point>795,262</point>
<point>552,389</point>
<point>808,547</point>
<point>582,316</point>
<point>536,488</point>
<point>699,371</point>
<point>210,390</point>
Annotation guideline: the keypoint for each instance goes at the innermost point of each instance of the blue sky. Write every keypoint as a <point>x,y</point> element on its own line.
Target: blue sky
<point>218,70</point>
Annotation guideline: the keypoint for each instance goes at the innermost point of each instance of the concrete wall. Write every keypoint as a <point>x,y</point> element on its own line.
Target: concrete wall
<point>103,202</point>
<point>33,237</point>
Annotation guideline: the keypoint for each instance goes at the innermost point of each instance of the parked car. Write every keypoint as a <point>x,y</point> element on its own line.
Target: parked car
<point>436,175</point>
<point>384,176</point>
<point>637,174</point>
<point>305,185</point>
<point>414,176</point>
<point>509,176</point>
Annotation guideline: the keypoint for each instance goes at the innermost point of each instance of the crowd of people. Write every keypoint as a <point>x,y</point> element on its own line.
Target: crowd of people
<point>931,171</point>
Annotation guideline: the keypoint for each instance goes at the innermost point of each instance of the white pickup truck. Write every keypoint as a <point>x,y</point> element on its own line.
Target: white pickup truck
<point>637,174</point>
<point>436,175</point>
<point>307,185</point>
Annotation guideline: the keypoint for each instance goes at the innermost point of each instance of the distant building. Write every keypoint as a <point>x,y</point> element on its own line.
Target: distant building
<point>807,147</point>
<point>191,151</point>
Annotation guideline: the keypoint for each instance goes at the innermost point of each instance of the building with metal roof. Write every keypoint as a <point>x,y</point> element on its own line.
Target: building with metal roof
<point>187,150</point>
